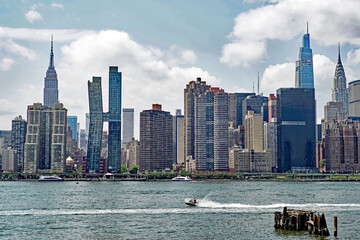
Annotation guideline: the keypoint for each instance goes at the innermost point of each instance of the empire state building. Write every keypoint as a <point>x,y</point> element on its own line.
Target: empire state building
<point>51,82</point>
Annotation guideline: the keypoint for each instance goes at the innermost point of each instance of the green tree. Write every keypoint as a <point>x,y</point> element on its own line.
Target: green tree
<point>322,162</point>
<point>134,169</point>
<point>124,169</point>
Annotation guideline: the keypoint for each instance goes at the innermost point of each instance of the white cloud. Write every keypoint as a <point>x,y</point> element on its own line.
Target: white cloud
<point>330,21</point>
<point>57,5</point>
<point>33,16</point>
<point>6,63</point>
<point>178,56</point>
<point>353,57</point>
<point>10,46</point>
<point>278,76</point>
<point>147,76</point>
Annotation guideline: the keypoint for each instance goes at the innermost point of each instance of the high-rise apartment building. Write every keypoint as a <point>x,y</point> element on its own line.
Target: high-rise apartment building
<point>72,123</point>
<point>296,128</point>
<point>9,160</point>
<point>51,83</point>
<point>132,153</point>
<point>340,92</point>
<point>18,136</point>
<point>221,133</point>
<point>128,125</point>
<point>254,131</point>
<point>45,146</point>
<point>252,103</point>
<point>304,75</point>
<point>236,107</point>
<point>270,141</point>
<point>156,142</point>
<point>272,108</point>
<point>82,139</point>
<point>334,111</point>
<point>178,138</point>
<point>354,98</point>
<point>192,90</point>
<point>97,117</point>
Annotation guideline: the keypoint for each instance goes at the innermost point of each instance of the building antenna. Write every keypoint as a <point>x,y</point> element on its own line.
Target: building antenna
<point>258,84</point>
<point>307,27</point>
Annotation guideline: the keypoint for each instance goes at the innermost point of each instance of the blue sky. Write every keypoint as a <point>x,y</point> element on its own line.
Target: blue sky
<point>161,45</point>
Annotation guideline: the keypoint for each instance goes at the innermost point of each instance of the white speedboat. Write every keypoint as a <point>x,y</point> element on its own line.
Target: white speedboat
<point>181,178</point>
<point>50,178</point>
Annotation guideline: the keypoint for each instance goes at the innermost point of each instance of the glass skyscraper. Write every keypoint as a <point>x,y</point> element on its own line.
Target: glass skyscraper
<point>72,123</point>
<point>51,82</point>
<point>114,153</point>
<point>296,128</point>
<point>304,76</point>
<point>95,126</point>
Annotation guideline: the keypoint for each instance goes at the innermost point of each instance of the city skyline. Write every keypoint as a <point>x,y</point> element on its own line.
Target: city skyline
<point>165,63</point>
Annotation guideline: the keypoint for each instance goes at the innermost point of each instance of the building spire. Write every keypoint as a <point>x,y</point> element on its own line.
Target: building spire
<point>258,84</point>
<point>339,58</point>
<point>51,65</point>
<point>307,27</point>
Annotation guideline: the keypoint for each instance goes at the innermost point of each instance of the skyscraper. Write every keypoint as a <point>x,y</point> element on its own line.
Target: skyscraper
<point>304,76</point>
<point>114,119</point>
<point>51,82</point>
<point>236,107</point>
<point>45,146</point>
<point>18,135</point>
<point>72,123</point>
<point>340,92</point>
<point>354,98</point>
<point>128,125</point>
<point>251,103</point>
<point>296,128</point>
<point>178,138</point>
<point>95,126</point>
<point>97,117</point>
<point>156,143</point>
<point>192,90</point>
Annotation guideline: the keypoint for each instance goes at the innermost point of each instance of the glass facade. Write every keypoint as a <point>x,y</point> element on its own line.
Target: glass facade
<point>296,128</point>
<point>240,97</point>
<point>114,155</point>
<point>95,126</point>
<point>304,76</point>
<point>18,134</point>
<point>72,123</point>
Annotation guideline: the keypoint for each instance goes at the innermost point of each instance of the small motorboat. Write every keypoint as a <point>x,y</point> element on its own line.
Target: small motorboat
<point>181,178</point>
<point>191,203</point>
<point>44,178</point>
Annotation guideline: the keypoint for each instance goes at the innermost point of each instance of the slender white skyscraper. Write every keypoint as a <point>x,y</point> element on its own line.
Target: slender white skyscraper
<point>128,125</point>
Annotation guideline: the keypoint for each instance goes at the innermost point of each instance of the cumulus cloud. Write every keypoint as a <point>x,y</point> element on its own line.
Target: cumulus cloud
<point>178,56</point>
<point>10,46</point>
<point>278,76</point>
<point>353,57</point>
<point>33,16</point>
<point>6,63</point>
<point>57,5</point>
<point>147,77</point>
<point>286,19</point>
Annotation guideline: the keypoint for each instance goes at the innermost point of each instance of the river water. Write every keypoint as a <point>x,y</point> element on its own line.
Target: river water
<point>156,210</point>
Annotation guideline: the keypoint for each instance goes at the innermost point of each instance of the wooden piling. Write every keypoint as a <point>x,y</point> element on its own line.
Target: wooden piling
<point>335,226</point>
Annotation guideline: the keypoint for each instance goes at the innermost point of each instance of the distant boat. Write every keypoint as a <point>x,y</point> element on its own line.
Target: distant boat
<point>50,178</point>
<point>181,178</point>
<point>191,203</point>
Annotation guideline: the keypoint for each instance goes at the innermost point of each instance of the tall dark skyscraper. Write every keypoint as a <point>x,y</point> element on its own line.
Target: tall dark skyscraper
<point>296,128</point>
<point>18,133</point>
<point>304,76</point>
<point>340,92</point>
<point>95,126</point>
<point>51,82</point>
<point>97,117</point>
<point>114,119</point>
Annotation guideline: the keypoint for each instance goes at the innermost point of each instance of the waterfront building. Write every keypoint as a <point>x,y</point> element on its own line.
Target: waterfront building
<point>72,123</point>
<point>334,111</point>
<point>249,160</point>
<point>221,132</point>
<point>9,160</point>
<point>192,90</point>
<point>114,119</point>
<point>354,98</point>
<point>95,125</point>
<point>342,147</point>
<point>304,76</point>
<point>51,82</point>
<point>96,147</point>
<point>83,139</point>
<point>340,92</point>
<point>156,142</point>
<point>18,136</point>
<point>45,146</point>
<point>204,130</point>
<point>296,129</point>
<point>178,138</point>
<point>128,125</point>
<point>254,131</point>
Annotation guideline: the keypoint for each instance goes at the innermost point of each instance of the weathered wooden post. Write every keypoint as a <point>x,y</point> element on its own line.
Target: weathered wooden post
<point>335,226</point>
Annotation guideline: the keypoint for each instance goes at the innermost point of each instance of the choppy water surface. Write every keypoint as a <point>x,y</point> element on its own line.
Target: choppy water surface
<point>156,210</point>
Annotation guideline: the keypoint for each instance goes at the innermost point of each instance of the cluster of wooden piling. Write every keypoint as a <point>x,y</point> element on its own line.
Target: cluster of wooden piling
<point>301,220</point>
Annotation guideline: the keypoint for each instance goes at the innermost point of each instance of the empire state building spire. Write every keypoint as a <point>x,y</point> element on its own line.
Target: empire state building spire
<point>51,82</point>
